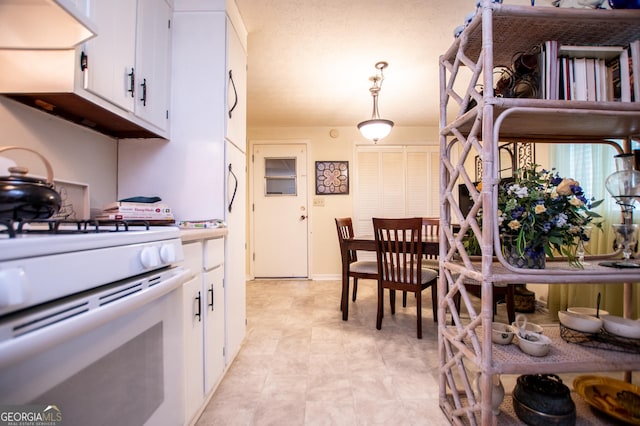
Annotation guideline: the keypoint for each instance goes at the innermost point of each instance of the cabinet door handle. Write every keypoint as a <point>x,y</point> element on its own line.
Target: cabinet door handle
<point>144,92</point>
<point>235,188</point>
<point>235,93</point>
<point>211,297</point>
<point>199,307</point>
<point>132,82</point>
<point>84,61</point>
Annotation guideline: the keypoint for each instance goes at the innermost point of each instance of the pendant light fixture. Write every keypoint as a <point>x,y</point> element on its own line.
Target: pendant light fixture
<point>376,128</point>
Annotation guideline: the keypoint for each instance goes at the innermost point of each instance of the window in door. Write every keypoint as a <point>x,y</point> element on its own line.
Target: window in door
<point>280,176</point>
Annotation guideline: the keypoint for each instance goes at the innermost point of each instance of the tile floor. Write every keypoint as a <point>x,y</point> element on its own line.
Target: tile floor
<point>302,365</point>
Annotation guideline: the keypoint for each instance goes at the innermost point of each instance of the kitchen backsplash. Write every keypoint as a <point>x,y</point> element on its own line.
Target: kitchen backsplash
<point>76,154</point>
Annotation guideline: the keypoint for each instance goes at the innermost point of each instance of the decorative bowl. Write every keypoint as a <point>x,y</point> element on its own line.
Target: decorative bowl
<point>624,327</point>
<point>586,311</point>
<point>615,398</point>
<point>580,322</point>
<point>542,399</point>
<point>533,344</point>
<point>522,324</point>
<point>501,333</point>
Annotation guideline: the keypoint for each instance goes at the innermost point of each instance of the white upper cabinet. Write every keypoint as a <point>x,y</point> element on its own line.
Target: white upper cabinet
<point>128,63</point>
<point>117,83</point>
<point>236,112</point>
<point>153,62</point>
<point>110,57</point>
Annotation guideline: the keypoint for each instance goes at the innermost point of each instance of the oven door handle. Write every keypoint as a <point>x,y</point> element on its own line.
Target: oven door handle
<point>21,347</point>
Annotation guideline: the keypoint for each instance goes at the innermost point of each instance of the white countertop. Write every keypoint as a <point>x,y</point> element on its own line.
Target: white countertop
<point>189,235</point>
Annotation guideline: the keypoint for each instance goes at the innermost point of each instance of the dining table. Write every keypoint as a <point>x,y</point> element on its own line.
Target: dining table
<point>430,247</point>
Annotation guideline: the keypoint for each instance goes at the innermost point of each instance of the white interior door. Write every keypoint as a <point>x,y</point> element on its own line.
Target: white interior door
<point>280,211</point>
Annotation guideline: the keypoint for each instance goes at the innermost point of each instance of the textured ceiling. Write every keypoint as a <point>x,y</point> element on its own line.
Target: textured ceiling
<point>310,60</point>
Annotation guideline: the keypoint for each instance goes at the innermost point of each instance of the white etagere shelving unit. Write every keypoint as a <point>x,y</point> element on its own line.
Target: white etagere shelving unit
<point>494,36</point>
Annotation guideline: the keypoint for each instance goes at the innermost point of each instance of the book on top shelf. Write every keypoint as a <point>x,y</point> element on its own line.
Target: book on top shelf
<point>592,73</point>
<point>613,75</point>
<point>625,84</point>
<point>594,52</point>
<point>550,70</point>
<point>634,69</point>
<point>580,84</point>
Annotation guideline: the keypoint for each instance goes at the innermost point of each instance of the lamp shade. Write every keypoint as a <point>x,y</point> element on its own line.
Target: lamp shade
<point>375,129</point>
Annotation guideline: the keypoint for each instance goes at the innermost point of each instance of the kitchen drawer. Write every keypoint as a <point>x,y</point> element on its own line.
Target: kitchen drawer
<point>213,253</point>
<point>193,257</point>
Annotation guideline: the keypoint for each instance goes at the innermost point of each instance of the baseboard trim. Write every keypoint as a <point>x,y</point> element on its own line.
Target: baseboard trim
<point>325,277</point>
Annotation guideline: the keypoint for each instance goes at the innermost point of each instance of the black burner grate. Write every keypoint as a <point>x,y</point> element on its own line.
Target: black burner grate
<point>57,226</point>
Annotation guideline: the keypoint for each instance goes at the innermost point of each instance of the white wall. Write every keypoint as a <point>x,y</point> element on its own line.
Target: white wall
<point>76,153</point>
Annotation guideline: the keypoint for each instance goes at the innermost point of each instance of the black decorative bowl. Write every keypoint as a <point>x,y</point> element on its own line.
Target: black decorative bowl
<point>543,400</point>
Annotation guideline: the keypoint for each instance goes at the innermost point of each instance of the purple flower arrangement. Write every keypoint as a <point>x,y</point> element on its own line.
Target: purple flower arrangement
<point>540,212</point>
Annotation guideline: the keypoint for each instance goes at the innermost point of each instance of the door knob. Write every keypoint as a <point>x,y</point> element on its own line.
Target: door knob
<point>302,217</point>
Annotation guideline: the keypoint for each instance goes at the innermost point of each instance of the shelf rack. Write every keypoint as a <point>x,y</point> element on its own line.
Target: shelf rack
<point>473,122</point>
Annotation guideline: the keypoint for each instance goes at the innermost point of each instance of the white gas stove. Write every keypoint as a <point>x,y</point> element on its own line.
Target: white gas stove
<point>43,260</point>
<point>87,312</point>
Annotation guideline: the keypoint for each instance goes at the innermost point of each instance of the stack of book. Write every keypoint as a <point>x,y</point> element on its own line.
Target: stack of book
<point>590,73</point>
<point>132,211</point>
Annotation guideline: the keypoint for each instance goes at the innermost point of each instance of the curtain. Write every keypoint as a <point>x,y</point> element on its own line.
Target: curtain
<point>590,164</point>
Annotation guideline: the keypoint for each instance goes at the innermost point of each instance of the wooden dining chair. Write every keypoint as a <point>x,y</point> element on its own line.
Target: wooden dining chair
<point>366,269</point>
<point>501,293</point>
<point>430,227</point>
<point>399,253</point>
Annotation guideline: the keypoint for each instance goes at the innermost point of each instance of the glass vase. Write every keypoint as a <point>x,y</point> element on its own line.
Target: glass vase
<point>532,258</point>
<point>624,184</point>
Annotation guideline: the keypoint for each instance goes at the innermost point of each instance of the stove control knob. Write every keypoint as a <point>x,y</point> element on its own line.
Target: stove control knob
<point>14,287</point>
<point>167,253</point>
<point>150,257</point>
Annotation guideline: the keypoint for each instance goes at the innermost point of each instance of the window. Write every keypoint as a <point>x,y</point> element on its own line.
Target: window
<point>589,164</point>
<point>280,176</point>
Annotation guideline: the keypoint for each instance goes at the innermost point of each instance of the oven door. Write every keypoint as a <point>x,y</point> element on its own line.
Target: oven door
<point>117,363</point>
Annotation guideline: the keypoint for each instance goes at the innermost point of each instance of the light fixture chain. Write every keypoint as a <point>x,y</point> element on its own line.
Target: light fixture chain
<point>376,128</point>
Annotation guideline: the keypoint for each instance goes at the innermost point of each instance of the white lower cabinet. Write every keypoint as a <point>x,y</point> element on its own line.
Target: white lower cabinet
<point>214,320</point>
<point>203,303</point>
<point>193,347</point>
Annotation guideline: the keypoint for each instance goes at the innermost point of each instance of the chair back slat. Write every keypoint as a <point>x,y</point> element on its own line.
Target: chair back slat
<point>431,227</point>
<point>345,231</point>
